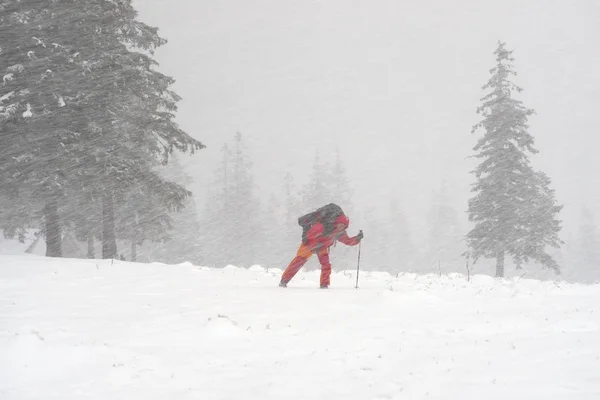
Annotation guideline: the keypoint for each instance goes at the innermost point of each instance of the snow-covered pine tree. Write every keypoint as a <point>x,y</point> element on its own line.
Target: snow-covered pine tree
<point>35,138</point>
<point>85,110</point>
<point>514,210</point>
<point>137,107</point>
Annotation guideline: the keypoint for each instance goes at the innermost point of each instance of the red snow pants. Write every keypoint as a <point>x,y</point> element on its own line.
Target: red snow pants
<point>302,256</point>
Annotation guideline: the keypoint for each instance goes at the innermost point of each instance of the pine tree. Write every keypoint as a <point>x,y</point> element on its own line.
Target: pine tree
<point>291,202</point>
<point>245,207</point>
<point>214,222</point>
<point>446,243</point>
<point>588,246</point>
<point>316,193</point>
<point>182,241</point>
<point>35,140</point>
<point>82,217</point>
<point>335,182</point>
<point>137,106</point>
<point>327,184</point>
<point>84,113</point>
<point>231,228</point>
<point>338,185</point>
<point>514,209</point>
<point>274,228</point>
<point>402,249</point>
<point>291,232</point>
<point>140,217</point>
<point>379,255</point>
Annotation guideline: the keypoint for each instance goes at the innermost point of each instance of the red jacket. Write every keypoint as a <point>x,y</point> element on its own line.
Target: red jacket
<point>317,239</point>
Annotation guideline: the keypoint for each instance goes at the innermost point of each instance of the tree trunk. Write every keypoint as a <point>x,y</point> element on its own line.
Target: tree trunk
<point>133,251</point>
<point>53,234</point>
<point>500,264</point>
<point>109,242</point>
<point>90,243</point>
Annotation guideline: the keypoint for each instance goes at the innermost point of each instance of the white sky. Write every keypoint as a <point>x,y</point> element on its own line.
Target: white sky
<point>394,84</point>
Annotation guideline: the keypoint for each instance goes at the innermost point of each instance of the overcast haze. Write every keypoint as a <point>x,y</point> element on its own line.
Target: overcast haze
<point>393,84</point>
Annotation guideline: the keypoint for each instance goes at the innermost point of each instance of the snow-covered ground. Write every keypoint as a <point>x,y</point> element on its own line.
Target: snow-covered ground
<point>87,329</point>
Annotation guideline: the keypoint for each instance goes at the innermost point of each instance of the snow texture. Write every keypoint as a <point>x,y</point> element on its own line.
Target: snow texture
<point>90,329</point>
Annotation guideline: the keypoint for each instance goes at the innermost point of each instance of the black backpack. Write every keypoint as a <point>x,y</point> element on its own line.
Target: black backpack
<point>326,215</point>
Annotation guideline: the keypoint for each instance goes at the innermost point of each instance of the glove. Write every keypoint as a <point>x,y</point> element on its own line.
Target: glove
<point>359,236</point>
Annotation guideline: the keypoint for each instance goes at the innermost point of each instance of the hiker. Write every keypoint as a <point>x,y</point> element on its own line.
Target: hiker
<point>321,229</point>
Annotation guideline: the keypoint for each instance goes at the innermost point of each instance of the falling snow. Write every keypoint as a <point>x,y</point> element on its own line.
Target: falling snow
<point>155,157</point>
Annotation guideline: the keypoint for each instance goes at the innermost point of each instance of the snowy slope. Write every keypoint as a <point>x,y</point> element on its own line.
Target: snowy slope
<point>86,329</point>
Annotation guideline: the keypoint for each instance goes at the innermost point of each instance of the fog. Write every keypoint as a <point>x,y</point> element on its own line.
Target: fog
<point>383,95</point>
<point>394,85</point>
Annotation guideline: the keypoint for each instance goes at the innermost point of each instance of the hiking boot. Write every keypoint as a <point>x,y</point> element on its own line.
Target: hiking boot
<point>324,286</point>
<point>283,284</point>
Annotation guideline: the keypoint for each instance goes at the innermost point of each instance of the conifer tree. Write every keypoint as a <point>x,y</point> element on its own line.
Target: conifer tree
<point>274,227</point>
<point>339,186</point>
<point>35,139</point>
<point>316,193</point>
<point>379,256</point>
<point>181,242</point>
<point>514,210</point>
<point>446,243</point>
<point>83,111</point>
<point>231,228</point>
<point>402,249</point>
<point>588,246</point>
<point>291,232</point>
<point>290,200</point>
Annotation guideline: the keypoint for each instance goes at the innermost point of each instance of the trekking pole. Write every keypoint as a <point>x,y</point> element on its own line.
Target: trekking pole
<point>358,265</point>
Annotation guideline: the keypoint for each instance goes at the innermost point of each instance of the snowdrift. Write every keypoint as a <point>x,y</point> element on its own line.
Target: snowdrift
<point>98,329</point>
